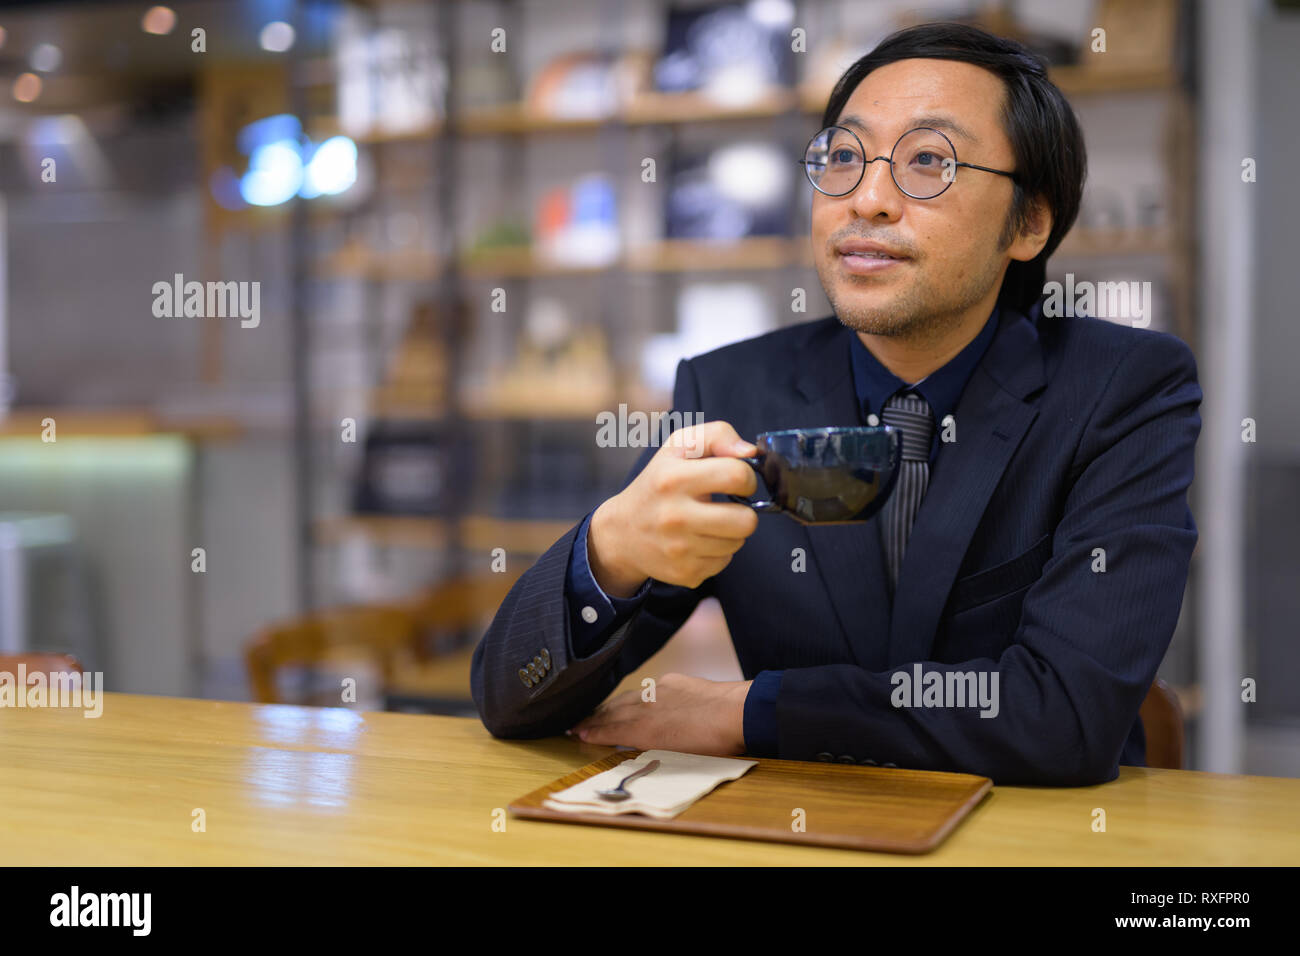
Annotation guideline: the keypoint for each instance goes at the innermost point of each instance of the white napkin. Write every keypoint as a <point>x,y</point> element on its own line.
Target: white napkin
<point>678,781</point>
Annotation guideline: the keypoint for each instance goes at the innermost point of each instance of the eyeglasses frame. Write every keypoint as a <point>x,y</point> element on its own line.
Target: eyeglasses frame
<point>890,160</point>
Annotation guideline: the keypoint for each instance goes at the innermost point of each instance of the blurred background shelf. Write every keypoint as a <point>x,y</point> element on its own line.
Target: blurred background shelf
<point>397,530</point>
<point>482,533</point>
<point>116,423</point>
<point>1119,242</point>
<point>671,255</point>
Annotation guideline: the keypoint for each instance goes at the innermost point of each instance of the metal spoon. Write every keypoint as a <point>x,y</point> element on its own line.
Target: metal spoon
<point>618,793</point>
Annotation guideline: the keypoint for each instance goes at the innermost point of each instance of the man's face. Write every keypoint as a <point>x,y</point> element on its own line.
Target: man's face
<point>950,261</point>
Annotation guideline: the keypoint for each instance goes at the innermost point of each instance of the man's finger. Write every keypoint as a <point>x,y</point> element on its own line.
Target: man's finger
<point>716,476</point>
<point>721,519</point>
<point>711,439</point>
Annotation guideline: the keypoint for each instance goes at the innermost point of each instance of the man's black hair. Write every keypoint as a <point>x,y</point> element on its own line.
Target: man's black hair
<point>1046,140</point>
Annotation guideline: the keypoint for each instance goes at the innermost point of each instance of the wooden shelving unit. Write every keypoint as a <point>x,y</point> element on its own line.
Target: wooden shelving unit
<point>685,256</point>
<point>481,533</point>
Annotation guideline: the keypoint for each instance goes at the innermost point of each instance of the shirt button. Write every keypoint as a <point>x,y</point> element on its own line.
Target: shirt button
<point>589,614</point>
<point>873,419</point>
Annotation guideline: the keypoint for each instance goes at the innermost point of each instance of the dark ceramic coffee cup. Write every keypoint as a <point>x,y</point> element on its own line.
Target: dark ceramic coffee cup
<point>826,475</point>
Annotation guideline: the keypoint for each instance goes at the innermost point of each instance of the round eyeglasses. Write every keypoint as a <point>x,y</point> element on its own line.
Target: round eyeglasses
<point>923,163</point>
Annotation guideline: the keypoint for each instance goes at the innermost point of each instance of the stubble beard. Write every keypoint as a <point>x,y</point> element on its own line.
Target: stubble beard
<point>921,312</point>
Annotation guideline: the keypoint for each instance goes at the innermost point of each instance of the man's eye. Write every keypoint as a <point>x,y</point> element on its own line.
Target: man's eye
<point>927,159</point>
<point>844,156</point>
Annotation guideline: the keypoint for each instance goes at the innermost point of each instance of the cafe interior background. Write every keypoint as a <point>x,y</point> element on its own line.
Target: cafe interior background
<point>474,226</point>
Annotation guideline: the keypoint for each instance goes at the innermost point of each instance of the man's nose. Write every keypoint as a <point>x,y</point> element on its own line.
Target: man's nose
<point>877,193</point>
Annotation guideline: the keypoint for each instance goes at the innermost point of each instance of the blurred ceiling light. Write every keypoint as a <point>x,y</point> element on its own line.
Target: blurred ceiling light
<point>46,58</point>
<point>269,129</point>
<point>332,168</point>
<point>283,163</point>
<point>158,20</point>
<point>274,174</point>
<point>4,35</point>
<point>27,87</point>
<point>771,13</point>
<point>277,36</point>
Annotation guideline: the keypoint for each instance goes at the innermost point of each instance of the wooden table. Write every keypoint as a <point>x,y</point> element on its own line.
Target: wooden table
<point>301,785</point>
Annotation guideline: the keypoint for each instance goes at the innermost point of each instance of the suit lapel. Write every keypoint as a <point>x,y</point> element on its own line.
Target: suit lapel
<point>991,418</point>
<point>849,557</point>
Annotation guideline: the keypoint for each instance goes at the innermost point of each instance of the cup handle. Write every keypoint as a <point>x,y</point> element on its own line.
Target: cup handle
<point>760,506</point>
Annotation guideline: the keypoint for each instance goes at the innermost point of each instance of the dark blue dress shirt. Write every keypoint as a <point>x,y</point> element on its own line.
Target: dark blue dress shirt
<point>594,615</point>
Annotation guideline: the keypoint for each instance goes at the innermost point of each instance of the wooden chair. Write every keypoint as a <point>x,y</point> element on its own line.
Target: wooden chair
<point>449,609</point>
<point>382,634</point>
<point>1162,719</point>
<point>40,661</point>
<point>450,617</point>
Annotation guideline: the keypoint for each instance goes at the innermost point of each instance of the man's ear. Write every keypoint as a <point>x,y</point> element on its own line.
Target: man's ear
<point>1030,241</point>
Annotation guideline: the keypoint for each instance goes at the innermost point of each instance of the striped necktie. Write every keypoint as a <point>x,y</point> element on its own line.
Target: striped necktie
<point>911,413</point>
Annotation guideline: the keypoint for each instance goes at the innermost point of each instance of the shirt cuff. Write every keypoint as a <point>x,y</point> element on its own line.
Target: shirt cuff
<point>593,614</point>
<point>760,714</point>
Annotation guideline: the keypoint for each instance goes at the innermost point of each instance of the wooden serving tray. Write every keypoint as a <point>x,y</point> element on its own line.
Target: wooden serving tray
<point>848,806</point>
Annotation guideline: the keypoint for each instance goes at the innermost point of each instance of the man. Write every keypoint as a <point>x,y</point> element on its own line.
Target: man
<point>1006,612</point>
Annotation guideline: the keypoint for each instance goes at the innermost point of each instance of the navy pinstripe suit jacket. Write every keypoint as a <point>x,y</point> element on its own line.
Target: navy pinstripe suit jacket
<point>1073,434</point>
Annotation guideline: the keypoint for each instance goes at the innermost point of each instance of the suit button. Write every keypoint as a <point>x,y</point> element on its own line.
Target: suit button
<point>589,614</point>
<point>846,758</point>
<point>537,662</point>
<point>523,676</point>
<point>894,765</point>
<point>546,657</point>
<point>867,762</point>
<point>825,757</point>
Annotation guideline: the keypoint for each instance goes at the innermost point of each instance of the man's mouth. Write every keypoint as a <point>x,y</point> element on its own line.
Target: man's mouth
<point>864,257</point>
<point>869,261</point>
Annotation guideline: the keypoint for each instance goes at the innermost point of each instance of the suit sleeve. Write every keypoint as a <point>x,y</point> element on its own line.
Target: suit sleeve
<point>586,597</point>
<point>1088,642</point>
<point>528,677</point>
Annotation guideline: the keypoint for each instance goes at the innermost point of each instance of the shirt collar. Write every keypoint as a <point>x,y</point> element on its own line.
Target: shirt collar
<point>876,385</point>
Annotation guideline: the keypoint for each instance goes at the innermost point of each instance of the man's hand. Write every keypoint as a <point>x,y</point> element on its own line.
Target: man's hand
<point>688,714</point>
<point>664,526</point>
